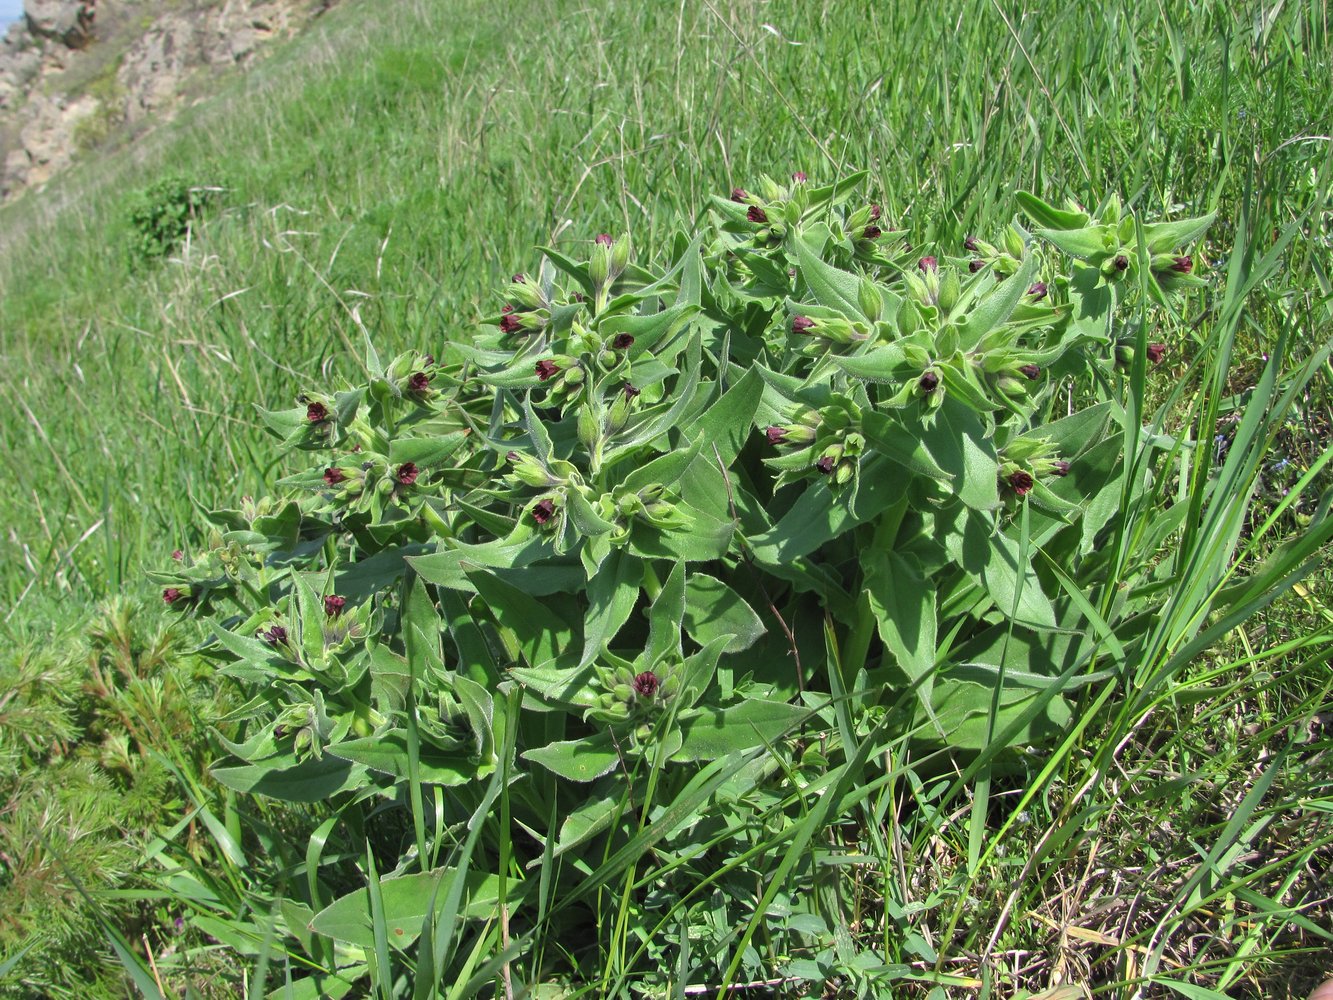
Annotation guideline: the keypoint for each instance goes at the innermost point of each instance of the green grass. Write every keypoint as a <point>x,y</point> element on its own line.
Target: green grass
<point>391,167</point>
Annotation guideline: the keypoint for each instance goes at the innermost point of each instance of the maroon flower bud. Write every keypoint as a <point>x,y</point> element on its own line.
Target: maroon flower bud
<point>519,279</point>
<point>800,324</point>
<point>316,413</point>
<point>871,232</point>
<point>928,382</point>
<point>975,264</point>
<point>419,382</point>
<point>333,475</point>
<point>1060,468</point>
<point>1156,352</point>
<point>875,213</point>
<point>1183,265</point>
<point>172,594</point>
<point>508,307</point>
<point>604,239</point>
<point>798,177</point>
<point>775,434</point>
<point>629,390</point>
<point>622,342</point>
<point>739,194</point>
<point>178,555</point>
<point>646,684</point>
<point>546,368</point>
<point>970,244</point>
<point>1031,371</point>
<point>1038,290</point>
<point>757,214</point>
<point>825,464</point>
<point>1020,482</point>
<point>333,605</point>
<point>509,324</point>
<point>542,511</point>
<point>407,473</point>
<point>579,297</point>
<point>274,636</point>
<point>1121,262</point>
<point>428,360</point>
<point>927,264</point>
<point>513,456</point>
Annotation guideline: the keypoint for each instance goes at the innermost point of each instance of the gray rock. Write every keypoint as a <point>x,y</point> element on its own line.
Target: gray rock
<point>69,22</point>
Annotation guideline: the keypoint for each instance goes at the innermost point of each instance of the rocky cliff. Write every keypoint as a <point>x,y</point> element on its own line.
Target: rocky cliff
<point>74,73</point>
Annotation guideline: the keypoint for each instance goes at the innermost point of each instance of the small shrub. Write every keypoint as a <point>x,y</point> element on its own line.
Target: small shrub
<point>160,216</point>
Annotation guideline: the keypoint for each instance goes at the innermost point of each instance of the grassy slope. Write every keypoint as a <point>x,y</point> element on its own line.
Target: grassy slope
<point>401,159</point>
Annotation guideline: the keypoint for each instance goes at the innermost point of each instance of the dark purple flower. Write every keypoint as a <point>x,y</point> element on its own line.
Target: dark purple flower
<point>407,473</point>
<point>316,413</point>
<point>1031,371</point>
<point>579,297</point>
<point>757,214</point>
<point>604,239</point>
<point>927,264</point>
<point>646,684</point>
<point>928,382</point>
<point>800,324</point>
<point>970,244</point>
<point>1060,468</point>
<point>1038,290</point>
<point>629,390</point>
<point>275,636</point>
<point>509,323</point>
<point>825,464</point>
<point>1156,352</point>
<point>546,368</point>
<point>508,307</point>
<point>333,605</point>
<point>875,213</point>
<point>333,475</point>
<point>776,434</point>
<point>519,279</point>
<point>975,264</point>
<point>871,232</point>
<point>739,194</point>
<point>798,177</point>
<point>1183,265</point>
<point>622,342</point>
<point>178,555</point>
<point>1020,482</point>
<point>1121,262</point>
<point>542,511</point>
<point>419,382</point>
<point>173,594</point>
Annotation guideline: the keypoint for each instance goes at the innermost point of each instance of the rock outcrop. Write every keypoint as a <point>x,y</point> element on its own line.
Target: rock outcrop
<point>72,71</point>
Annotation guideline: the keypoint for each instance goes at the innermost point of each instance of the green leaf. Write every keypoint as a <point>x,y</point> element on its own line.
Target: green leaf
<point>1078,242</point>
<point>387,754</point>
<point>1045,214</point>
<point>540,632</point>
<point>998,306</point>
<point>903,602</point>
<point>405,901</point>
<point>1163,237</point>
<point>312,780</point>
<point>612,594</point>
<point>576,760</point>
<point>992,557</point>
<point>712,733</point>
<point>428,452</point>
<point>713,609</point>
<point>830,286</point>
<point>725,425</point>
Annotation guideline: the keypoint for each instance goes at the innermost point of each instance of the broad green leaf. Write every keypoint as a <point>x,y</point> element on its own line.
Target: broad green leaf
<point>387,754</point>
<point>725,425</point>
<point>311,780</point>
<point>1045,214</point>
<point>428,452</point>
<point>576,760</point>
<point>997,307</point>
<point>612,594</point>
<point>991,556</point>
<point>831,287</point>
<point>405,900</point>
<point>713,609</point>
<point>903,602</point>
<point>711,733</point>
<point>541,632</point>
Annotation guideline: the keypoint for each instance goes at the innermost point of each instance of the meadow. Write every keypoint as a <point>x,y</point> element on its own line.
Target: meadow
<point>380,179</point>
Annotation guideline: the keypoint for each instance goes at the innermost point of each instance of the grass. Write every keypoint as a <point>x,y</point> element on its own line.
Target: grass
<point>390,167</point>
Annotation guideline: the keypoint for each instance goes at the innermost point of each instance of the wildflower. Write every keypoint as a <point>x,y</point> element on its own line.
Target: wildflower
<point>798,177</point>
<point>775,434</point>
<point>757,214</point>
<point>825,464</point>
<point>1038,290</point>
<point>970,244</point>
<point>173,594</point>
<point>333,605</point>
<point>646,684</point>
<point>1121,262</point>
<point>875,213</point>
<point>1060,468</point>
<point>622,342</point>
<point>871,232</point>
<point>739,195</point>
<point>407,473</point>
<point>1020,482</point>
<point>546,368</point>
<point>604,239</point>
<point>178,555</point>
<point>1156,352</point>
<point>519,279</point>
<point>509,323</point>
<point>1183,265</point>
<point>1031,371</point>
<point>316,412</point>
<point>542,511</point>
<point>419,382</point>
<point>334,475</point>
<point>928,382</point>
<point>275,636</point>
<point>975,265</point>
<point>926,264</point>
<point>801,324</point>
<point>629,390</point>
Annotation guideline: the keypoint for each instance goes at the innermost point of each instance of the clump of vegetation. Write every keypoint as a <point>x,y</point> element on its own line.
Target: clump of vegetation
<point>161,216</point>
<point>623,607</point>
